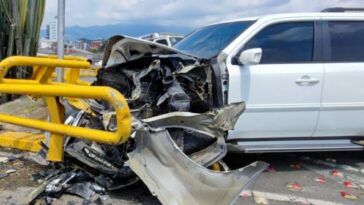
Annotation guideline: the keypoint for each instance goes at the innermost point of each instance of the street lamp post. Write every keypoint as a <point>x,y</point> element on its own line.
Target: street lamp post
<point>60,37</point>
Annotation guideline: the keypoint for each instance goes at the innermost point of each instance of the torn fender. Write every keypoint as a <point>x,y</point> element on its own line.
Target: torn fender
<point>214,123</point>
<point>177,180</point>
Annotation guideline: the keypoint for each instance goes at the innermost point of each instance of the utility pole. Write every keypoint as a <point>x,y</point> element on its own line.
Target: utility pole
<point>60,37</point>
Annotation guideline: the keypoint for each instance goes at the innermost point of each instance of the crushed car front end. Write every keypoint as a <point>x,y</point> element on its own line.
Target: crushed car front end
<point>179,126</point>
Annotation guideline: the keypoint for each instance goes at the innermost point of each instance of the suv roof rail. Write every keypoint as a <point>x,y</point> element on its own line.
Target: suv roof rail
<point>342,9</point>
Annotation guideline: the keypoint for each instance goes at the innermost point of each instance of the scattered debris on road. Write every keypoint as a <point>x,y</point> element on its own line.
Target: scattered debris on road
<point>294,186</point>
<point>320,179</point>
<point>260,200</point>
<point>336,173</point>
<point>347,195</point>
<point>270,185</point>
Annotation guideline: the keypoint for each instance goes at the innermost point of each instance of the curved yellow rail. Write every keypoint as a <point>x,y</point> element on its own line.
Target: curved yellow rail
<point>103,93</point>
<point>41,85</point>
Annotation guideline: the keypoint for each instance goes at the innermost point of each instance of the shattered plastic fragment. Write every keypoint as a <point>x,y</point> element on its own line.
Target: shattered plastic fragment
<point>295,186</point>
<point>40,157</point>
<point>261,200</point>
<point>4,159</point>
<point>65,180</point>
<point>10,171</point>
<point>336,173</point>
<point>349,184</point>
<point>83,190</point>
<point>347,195</point>
<point>320,179</point>
<point>246,194</point>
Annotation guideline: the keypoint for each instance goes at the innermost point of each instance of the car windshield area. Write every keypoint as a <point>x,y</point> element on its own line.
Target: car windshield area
<point>209,41</point>
<point>175,40</point>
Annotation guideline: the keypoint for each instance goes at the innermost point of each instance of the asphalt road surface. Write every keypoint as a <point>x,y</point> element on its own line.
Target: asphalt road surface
<point>305,178</point>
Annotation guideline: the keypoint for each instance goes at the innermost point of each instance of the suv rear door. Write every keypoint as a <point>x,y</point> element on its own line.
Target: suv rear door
<point>283,92</point>
<point>342,109</point>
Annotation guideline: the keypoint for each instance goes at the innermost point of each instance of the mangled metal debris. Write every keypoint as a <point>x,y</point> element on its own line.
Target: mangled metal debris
<point>55,182</point>
<point>211,154</point>
<point>214,124</point>
<point>179,126</point>
<point>188,182</point>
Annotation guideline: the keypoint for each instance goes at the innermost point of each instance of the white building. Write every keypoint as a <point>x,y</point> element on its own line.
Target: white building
<point>52,29</point>
<point>46,44</point>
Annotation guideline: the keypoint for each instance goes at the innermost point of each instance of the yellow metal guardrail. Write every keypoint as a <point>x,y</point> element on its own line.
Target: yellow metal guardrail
<point>22,140</point>
<point>41,85</point>
<point>73,75</point>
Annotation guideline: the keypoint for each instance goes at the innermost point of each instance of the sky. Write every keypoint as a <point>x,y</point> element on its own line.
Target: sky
<point>187,13</point>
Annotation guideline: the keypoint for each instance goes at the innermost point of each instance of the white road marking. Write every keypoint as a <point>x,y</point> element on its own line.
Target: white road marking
<point>292,198</point>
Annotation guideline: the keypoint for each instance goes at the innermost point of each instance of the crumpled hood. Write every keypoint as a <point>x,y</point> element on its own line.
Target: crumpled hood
<point>124,48</point>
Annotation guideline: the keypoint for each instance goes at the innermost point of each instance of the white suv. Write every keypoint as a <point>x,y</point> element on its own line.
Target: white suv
<point>300,75</point>
<point>299,78</point>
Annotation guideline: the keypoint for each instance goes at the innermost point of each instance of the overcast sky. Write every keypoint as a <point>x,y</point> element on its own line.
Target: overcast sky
<point>189,13</point>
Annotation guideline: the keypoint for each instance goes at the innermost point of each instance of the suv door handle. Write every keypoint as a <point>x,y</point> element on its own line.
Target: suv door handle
<point>306,80</point>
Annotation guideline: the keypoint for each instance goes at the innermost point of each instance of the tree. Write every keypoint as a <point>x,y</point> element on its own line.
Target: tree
<point>20,22</point>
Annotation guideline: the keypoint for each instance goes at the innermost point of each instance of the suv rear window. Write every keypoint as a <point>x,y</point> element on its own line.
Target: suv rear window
<point>347,41</point>
<point>291,42</point>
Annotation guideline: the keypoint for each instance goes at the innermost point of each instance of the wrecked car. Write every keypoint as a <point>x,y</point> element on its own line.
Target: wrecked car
<point>186,101</point>
<point>180,121</point>
<point>181,118</point>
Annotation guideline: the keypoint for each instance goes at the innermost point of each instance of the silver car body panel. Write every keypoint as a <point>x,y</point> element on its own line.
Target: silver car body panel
<point>177,180</point>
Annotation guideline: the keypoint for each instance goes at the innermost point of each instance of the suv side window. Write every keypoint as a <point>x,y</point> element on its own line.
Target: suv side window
<point>291,42</point>
<point>162,41</point>
<point>347,41</point>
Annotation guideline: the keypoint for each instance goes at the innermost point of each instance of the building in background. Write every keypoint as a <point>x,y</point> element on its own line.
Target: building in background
<point>96,44</point>
<point>46,44</point>
<point>52,30</point>
<point>83,44</point>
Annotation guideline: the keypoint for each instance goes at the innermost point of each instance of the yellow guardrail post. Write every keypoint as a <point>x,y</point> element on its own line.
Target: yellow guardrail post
<point>56,114</point>
<point>42,86</point>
